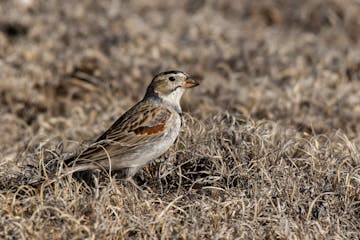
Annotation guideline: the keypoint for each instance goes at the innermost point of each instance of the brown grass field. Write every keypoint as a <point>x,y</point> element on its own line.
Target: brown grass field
<point>270,147</point>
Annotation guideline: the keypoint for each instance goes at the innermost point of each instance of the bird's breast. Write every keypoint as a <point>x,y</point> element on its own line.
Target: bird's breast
<point>171,132</point>
<point>155,149</point>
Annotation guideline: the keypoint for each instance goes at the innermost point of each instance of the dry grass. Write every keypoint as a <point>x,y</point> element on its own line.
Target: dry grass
<point>270,144</point>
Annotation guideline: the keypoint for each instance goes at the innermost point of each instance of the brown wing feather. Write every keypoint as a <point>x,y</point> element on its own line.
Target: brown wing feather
<point>150,130</point>
<point>143,123</point>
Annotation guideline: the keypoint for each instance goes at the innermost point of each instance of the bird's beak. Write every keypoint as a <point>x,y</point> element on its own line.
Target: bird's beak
<point>190,83</point>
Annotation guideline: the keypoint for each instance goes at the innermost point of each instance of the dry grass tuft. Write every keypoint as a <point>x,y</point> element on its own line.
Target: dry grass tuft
<point>270,142</point>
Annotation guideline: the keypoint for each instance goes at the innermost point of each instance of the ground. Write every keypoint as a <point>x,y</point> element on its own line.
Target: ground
<point>270,142</point>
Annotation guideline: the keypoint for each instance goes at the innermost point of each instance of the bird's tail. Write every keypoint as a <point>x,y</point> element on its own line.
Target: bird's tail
<point>68,162</point>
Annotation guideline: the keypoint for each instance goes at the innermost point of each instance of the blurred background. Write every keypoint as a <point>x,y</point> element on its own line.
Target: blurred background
<point>70,68</point>
<point>270,140</point>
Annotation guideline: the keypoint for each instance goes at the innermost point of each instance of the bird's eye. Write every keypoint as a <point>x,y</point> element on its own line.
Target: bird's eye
<point>171,78</point>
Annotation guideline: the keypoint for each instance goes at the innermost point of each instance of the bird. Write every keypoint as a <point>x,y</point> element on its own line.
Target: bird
<point>143,133</point>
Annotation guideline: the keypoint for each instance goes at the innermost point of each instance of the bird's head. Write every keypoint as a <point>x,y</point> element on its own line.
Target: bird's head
<point>170,86</point>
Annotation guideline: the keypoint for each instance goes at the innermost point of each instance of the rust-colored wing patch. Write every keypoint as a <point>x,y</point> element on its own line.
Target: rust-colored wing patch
<point>150,130</point>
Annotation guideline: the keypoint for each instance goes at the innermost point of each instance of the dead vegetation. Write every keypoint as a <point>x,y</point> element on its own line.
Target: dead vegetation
<point>270,144</point>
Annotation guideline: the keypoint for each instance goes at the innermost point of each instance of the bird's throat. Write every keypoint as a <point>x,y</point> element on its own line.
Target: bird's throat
<point>174,97</point>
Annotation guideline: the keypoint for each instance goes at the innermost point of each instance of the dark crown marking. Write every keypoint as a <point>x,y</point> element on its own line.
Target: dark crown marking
<point>168,72</point>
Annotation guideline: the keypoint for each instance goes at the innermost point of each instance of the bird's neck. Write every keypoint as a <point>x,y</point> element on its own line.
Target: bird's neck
<point>172,99</point>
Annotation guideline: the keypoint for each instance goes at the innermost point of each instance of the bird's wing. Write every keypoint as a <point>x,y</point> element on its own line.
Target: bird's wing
<point>144,123</point>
